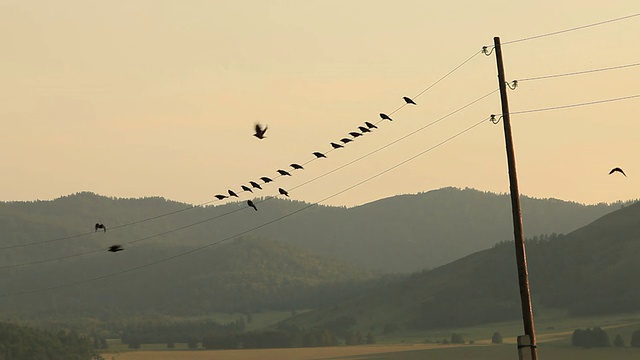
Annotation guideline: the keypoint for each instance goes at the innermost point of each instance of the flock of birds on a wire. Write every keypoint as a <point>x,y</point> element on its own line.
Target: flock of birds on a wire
<point>259,132</point>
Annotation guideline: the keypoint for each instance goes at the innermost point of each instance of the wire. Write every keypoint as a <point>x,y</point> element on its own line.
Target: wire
<point>575,105</point>
<point>579,72</point>
<point>246,231</point>
<point>571,29</point>
<point>211,201</point>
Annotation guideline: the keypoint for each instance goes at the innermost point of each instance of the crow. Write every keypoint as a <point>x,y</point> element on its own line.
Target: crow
<point>408,100</point>
<point>246,188</point>
<point>255,185</point>
<point>346,140</point>
<point>319,154</point>
<point>115,248</point>
<point>296,166</point>
<point>250,203</point>
<point>283,173</point>
<point>363,129</point>
<point>101,226</point>
<point>260,131</point>
<point>385,117</point>
<point>370,125</point>
<point>220,197</point>
<point>232,193</point>
<point>355,134</point>
<point>283,192</point>
<point>336,146</point>
<point>266,179</point>
<point>617,170</point>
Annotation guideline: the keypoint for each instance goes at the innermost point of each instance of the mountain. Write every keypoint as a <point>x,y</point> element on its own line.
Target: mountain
<point>403,233</point>
<point>592,270</point>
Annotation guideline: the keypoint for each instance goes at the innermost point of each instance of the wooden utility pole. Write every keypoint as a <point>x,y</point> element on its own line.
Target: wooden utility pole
<point>521,255</point>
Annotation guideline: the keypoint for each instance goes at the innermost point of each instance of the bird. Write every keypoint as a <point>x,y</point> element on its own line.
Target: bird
<point>115,248</point>
<point>363,129</point>
<point>283,173</point>
<point>346,140</point>
<point>617,170</point>
<point>385,117</point>
<point>255,185</point>
<point>319,155</point>
<point>246,188</point>
<point>336,146</point>
<point>296,166</point>
<point>408,100</point>
<point>260,131</point>
<point>355,134</point>
<point>220,197</point>
<point>370,125</point>
<point>266,179</point>
<point>250,203</point>
<point>101,226</point>
<point>232,193</point>
<point>283,192</point>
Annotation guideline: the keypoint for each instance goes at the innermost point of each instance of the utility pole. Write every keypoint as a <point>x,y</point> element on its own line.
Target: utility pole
<point>521,255</point>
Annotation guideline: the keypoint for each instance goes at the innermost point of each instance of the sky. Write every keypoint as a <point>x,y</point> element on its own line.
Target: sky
<point>159,98</point>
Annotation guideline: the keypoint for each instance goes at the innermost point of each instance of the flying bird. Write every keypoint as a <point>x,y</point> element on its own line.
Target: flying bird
<point>319,155</point>
<point>370,125</point>
<point>250,203</point>
<point>115,248</point>
<point>246,188</point>
<point>283,173</point>
<point>232,193</point>
<point>283,192</point>
<point>260,131</point>
<point>266,179</point>
<point>220,197</point>
<point>617,170</point>
<point>355,134</point>
<point>408,100</point>
<point>346,140</point>
<point>296,166</point>
<point>385,117</point>
<point>363,129</point>
<point>101,226</point>
<point>255,185</point>
<point>336,146</point>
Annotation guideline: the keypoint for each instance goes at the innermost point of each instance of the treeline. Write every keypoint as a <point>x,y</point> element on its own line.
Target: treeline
<point>177,332</point>
<point>23,343</point>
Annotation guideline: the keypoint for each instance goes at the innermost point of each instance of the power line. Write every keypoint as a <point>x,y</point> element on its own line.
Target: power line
<point>211,201</point>
<point>579,72</point>
<point>575,105</point>
<point>249,230</point>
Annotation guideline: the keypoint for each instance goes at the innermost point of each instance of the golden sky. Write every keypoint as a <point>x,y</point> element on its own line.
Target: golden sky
<point>158,98</point>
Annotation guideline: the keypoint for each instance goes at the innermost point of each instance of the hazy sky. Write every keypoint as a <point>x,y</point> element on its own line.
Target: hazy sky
<point>158,98</point>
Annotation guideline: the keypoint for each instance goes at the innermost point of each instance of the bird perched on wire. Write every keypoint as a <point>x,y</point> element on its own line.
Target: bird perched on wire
<point>319,155</point>
<point>296,166</point>
<point>260,131</point>
<point>255,185</point>
<point>363,129</point>
<point>266,179</point>
<point>246,188</point>
<point>283,192</point>
<point>617,169</point>
<point>250,203</point>
<point>336,146</point>
<point>408,100</point>
<point>283,172</point>
<point>115,248</point>
<point>101,226</point>
<point>355,134</point>
<point>346,140</point>
<point>232,193</point>
<point>370,125</point>
<point>385,117</point>
<point>220,197</point>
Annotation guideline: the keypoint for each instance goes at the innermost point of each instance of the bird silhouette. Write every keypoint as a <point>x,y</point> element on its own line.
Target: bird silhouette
<point>260,131</point>
<point>255,185</point>
<point>220,197</point>
<point>346,140</point>
<point>363,129</point>
<point>250,203</point>
<point>408,100</point>
<point>319,155</point>
<point>617,170</point>
<point>283,173</point>
<point>370,125</point>
<point>232,193</point>
<point>296,166</point>
<point>115,248</point>
<point>385,117</point>
<point>101,226</point>
<point>355,134</point>
<point>266,179</point>
<point>283,192</point>
<point>246,188</point>
<point>336,146</point>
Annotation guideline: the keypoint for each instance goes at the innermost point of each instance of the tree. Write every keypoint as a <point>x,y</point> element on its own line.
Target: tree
<point>618,341</point>
<point>457,338</point>
<point>496,338</point>
<point>371,339</point>
<point>635,338</point>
